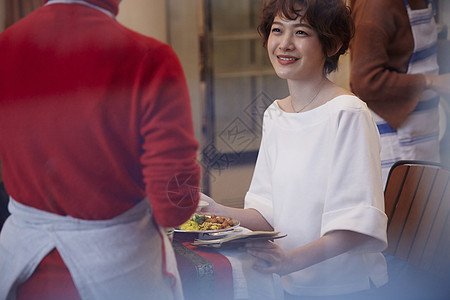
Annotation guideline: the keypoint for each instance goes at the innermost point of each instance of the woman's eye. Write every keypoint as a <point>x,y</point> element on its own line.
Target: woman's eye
<point>276,30</point>
<point>301,32</point>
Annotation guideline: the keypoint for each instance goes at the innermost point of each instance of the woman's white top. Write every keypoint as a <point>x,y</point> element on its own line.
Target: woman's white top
<point>319,171</point>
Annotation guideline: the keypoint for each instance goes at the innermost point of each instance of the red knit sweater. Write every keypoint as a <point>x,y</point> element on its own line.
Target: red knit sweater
<point>94,117</point>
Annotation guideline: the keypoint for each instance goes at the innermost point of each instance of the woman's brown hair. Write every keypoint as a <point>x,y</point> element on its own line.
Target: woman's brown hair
<point>331,20</point>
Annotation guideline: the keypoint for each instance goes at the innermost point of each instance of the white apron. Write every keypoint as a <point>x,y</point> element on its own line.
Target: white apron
<point>127,257</point>
<point>418,137</point>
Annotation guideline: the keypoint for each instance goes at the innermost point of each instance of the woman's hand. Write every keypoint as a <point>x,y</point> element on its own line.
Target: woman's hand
<point>211,203</point>
<point>281,262</point>
<point>273,258</point>
<point>248,218</point>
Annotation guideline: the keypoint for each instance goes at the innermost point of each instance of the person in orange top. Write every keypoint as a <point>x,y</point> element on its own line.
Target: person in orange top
<point>394,70</point>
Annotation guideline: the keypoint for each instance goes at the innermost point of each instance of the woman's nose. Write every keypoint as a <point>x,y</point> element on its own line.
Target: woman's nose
<point>285,43</point>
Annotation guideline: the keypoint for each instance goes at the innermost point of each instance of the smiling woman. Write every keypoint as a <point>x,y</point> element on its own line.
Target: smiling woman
<point>306,47</point>
<point>317,176</point>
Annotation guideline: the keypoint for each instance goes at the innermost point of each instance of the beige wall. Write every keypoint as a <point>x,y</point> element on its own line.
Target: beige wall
<point>145,16</point>
<point>183,36</point>
<point>151,17</point>
<point>2,15</point>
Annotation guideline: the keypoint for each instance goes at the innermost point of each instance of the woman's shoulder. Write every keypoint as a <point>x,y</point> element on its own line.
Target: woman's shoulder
<point>348,101</point>
<point>277,106</point>
<point>281,103</point>
<point>351,100</point>
<point>348,111</point>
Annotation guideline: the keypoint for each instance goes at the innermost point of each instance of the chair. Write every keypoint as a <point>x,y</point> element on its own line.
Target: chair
<point>417,203</point>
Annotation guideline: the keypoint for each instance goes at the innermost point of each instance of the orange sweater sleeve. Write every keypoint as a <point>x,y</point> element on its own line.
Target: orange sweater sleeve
<point>380,53</point>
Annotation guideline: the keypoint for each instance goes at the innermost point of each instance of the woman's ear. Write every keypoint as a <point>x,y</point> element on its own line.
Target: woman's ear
<point>335,50</point>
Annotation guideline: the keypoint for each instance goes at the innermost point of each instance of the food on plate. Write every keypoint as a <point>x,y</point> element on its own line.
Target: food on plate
<point>207,222</point>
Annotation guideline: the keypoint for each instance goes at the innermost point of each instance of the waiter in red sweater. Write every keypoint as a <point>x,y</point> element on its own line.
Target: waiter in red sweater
<point>98,155</point>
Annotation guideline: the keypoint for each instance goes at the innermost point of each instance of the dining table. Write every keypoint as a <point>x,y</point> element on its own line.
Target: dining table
<point>222,272</point>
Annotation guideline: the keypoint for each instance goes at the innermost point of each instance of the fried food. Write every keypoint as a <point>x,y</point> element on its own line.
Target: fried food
<point>206,222</point>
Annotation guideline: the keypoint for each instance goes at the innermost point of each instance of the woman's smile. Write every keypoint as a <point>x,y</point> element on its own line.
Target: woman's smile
<point>286,59</point>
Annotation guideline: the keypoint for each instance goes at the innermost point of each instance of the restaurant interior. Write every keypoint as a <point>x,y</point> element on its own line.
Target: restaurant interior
<point>230,78</point>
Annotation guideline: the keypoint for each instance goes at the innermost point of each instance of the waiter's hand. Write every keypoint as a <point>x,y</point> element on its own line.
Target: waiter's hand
<point>272,258</point>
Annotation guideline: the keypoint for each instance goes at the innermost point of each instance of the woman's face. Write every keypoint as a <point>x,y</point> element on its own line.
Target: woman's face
<point>294,49</point>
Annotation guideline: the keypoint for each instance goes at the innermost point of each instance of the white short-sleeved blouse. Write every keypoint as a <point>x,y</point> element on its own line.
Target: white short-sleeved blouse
<point>319,171</point>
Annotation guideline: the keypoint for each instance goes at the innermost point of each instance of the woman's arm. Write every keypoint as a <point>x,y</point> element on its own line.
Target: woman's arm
<point>325,247</point>
<point>248,218</point>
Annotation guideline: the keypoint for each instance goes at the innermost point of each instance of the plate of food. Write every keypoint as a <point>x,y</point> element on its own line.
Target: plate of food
<point>205,223</point>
